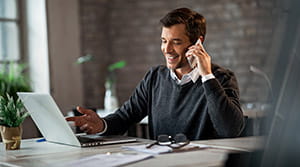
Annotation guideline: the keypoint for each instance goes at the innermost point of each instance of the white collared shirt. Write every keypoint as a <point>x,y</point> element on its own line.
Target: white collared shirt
<point>193,75</point>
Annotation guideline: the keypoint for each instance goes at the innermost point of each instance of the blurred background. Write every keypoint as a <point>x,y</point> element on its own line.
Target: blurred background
<point>257,39</point>
<point>50,36</point>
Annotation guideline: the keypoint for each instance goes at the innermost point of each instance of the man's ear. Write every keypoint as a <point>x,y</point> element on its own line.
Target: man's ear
<point>201,38</point>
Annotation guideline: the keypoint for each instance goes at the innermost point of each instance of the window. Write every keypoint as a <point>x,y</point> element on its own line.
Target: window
<point>9,30</point>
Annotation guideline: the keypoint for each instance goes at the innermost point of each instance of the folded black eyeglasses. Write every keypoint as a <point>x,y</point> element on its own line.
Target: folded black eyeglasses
<point>178,141</point>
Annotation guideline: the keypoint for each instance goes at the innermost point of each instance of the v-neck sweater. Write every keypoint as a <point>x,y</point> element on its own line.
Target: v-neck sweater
<point>198,110</point>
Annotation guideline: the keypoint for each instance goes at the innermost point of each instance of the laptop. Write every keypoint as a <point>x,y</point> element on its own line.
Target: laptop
<point>53,126</point>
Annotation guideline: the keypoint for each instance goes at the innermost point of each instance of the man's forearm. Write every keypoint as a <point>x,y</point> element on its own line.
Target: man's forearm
<point>224,109</point>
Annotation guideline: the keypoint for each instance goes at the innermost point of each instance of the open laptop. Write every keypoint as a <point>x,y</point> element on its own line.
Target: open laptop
<point>53,126</point>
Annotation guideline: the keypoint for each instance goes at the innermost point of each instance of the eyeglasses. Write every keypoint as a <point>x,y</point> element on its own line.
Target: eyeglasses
<point>176,142</point>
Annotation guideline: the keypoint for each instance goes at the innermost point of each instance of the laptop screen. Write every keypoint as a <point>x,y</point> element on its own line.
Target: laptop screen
<point>48,118</point>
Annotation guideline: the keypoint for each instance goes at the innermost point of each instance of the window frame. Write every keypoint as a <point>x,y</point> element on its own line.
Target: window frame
<point>19,20</point>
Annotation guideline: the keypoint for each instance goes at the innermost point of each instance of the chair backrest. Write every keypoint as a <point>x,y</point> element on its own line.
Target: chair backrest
<point>248,127</point>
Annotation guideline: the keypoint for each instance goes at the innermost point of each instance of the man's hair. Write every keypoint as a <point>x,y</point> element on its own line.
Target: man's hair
<point>194,22</point>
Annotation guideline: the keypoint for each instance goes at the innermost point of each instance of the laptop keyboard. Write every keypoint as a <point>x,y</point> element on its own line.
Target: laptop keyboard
<point>87,142</point>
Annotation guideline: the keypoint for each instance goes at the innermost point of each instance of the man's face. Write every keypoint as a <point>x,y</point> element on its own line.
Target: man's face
<point>174,44</point>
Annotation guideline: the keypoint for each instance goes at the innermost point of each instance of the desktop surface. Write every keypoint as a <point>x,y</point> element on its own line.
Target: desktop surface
<point>34,153</point>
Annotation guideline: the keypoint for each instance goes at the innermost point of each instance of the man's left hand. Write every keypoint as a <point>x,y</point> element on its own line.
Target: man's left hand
<point>202,58</point>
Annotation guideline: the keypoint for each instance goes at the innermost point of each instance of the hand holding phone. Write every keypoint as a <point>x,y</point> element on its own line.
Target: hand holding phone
<point>192,59</point>
<point>198,57</point>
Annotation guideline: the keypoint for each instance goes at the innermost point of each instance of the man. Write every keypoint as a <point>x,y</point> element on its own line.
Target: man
<point>201,102</point>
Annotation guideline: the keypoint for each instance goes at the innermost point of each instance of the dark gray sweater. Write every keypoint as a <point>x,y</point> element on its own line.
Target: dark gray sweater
<point>200,111</point>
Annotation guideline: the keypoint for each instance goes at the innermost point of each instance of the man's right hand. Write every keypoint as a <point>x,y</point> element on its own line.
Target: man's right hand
<point>90,122</point>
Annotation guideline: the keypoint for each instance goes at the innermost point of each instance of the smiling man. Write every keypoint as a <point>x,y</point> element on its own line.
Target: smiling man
<point>189,95</point>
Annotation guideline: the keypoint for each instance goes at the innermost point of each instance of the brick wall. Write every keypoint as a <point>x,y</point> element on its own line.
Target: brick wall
<point>239,35</point>
<point>94,41</point>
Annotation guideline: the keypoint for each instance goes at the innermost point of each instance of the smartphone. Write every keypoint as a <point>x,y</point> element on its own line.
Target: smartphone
<point>192,60</point>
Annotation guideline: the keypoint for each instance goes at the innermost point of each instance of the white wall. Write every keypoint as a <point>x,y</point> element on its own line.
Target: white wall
<point>37,43</point>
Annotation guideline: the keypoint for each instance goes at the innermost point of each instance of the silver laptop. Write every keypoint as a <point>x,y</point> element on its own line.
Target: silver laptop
<point>53,126</point>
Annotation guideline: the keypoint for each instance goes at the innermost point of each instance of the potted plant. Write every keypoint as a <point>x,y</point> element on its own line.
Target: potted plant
<point>12,115</point>
<point>12,112</point>
<point>110,100</point>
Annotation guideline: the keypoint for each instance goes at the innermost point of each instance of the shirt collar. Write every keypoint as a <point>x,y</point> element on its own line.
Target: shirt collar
<point>193,75</point>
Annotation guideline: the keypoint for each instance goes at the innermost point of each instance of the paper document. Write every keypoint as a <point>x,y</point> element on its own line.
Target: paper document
<point>107,160</point>
<point>158,149</point>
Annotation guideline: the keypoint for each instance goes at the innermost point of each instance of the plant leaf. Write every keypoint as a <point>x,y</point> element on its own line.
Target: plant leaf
<point>84,59</point>
<point>117,65</point>
<point>12,112</point>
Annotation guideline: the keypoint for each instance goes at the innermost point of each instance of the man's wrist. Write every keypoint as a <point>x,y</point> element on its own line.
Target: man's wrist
<point>204,78</point>
<point>105,127</point>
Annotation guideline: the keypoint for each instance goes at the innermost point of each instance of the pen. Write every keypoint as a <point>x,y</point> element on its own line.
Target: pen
<point>41,140</point>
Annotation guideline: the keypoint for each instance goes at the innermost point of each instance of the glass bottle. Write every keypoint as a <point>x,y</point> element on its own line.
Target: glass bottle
<point>110,99</point>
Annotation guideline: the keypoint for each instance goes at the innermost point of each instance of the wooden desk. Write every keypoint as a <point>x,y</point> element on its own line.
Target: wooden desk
<point>45,154</point>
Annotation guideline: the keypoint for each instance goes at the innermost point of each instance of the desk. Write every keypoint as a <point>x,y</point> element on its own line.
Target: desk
<point>46,154</point>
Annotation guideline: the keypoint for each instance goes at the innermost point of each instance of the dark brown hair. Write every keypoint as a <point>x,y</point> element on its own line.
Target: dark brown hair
<point>194,22</point>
